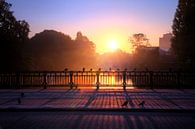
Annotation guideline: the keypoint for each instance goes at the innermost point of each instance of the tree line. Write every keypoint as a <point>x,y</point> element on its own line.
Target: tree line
<point>52,50</point>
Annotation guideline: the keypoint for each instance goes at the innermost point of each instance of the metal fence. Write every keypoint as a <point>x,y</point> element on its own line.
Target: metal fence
<point>98,79</point>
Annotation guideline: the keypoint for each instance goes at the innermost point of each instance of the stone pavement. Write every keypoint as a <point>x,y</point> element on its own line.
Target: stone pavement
<point>96,120</point>
<point>157,99</point>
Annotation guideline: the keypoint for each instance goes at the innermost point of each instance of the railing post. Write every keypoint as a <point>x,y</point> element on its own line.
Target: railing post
<point>71,79</point>
<point>98,79</point>
<point>45,80</point>
<point>124,79</point>
<point>151,79</point>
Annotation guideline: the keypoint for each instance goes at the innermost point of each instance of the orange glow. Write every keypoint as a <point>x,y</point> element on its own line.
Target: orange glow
<point>101,28</point>
<point>111,39</point>
<point>106,82</point>
<point>112,45</point>
<point>116,28</point>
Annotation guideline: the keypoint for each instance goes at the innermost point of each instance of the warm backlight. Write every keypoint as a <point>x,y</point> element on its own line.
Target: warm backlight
<point>112,45</point>
<point>111,40</point>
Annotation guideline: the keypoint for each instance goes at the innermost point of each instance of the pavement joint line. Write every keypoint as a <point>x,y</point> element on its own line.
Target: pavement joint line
<point>91,99</point>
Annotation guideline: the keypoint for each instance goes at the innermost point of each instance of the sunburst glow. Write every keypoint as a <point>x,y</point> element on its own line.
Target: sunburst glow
<point>112,45</point>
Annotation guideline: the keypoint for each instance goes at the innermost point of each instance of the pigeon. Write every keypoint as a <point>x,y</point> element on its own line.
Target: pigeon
<point>19,101</point>
<point>22,94</point>
<point>142,104</point>
<point>125,103</point>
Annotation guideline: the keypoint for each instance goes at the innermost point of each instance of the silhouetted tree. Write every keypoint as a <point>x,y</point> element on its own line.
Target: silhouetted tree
<point>52,50</point>
<point>48,49</point>
<point>85,50</point>
<point>84,43</point>
<point>183,41</point>
<point>79,36</point>
<point>144,55</point>
<point>139,40</point>
<point>13,35</point>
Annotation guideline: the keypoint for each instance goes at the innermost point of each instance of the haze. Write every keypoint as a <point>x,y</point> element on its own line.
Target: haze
<point>100,20</point>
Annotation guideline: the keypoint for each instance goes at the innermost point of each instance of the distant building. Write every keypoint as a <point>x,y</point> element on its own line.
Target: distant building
<point>165,42</point>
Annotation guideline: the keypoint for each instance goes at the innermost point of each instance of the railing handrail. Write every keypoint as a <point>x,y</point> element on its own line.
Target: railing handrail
<point>123,78</point>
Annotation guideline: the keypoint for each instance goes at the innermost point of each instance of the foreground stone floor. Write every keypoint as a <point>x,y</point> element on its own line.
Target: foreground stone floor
<point>96,120</point>
<point>97,109</point>
<point>98,99</point>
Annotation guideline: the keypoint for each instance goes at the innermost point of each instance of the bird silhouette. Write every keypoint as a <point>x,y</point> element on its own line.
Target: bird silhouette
<point>22,94</point>
<point>19,101</point>
<point>142,104</point>
<point>125,103</point>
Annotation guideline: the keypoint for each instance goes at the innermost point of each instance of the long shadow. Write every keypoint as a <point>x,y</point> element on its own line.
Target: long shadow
<point>56,98</point>
<point>163,97</point>
<point>91,98</point>
<point>128,98</point>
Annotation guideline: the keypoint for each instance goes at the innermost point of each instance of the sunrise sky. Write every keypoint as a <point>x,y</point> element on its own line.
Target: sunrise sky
<point>102,21</point>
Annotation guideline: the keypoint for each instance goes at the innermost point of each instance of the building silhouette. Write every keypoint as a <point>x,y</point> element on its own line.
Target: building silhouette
<point>165,42</point>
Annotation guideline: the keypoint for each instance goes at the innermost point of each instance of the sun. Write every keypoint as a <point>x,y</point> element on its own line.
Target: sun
<point>112,45</point>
